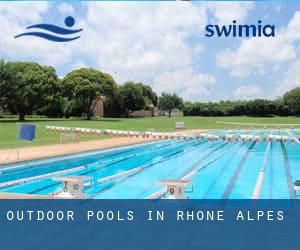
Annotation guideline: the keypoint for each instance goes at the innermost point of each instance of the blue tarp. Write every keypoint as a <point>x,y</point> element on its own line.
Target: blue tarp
<point>27,132</point>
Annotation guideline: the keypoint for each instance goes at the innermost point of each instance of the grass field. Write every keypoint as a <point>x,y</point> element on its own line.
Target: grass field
<point>9,127</point>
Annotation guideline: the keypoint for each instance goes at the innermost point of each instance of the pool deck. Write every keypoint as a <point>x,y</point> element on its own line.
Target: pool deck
<point>24,196</point>
<point>31,153</point>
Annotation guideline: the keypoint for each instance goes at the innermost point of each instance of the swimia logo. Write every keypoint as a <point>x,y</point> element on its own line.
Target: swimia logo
<point>238,30</point>
<point>56,33</point>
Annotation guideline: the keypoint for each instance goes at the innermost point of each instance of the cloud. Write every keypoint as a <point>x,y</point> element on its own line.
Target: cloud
<point>141,38</point>
<point>139,41</point>
<point>254,55</point>
<point>158,44</point>
<point>14,18</point>
<point>291,80</point>
<point>293,28</point>
<point>248,92</point>
<point>187,83</point>
<point>23,12</point>
<point>65,8</point>
<point>226,12</point>
<point>198,49</point>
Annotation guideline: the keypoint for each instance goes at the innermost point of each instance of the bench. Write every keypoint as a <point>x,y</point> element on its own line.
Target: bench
<point>179,125</point>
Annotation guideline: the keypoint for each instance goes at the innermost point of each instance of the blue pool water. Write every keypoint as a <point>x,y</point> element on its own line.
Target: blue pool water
<point>221,169</point>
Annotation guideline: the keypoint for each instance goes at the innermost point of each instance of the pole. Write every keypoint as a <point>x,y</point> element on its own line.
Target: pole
<point>17,140</point>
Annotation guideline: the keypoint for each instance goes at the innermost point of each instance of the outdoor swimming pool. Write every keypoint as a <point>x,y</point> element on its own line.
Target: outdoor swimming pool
<point>241,169</point>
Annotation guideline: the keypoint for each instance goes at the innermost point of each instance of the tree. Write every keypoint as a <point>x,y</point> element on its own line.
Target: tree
<point>131,98</point>
<point>292,100</point>
<point>149,95</point>
<point>26,86</point>
<point>3,83</point>
<point>84,85</point>
<point>167,102</point>
<point>281,107</point>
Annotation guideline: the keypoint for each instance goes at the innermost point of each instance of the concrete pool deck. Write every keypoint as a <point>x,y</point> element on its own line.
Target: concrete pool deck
<point>31,153</point>
<point>24,196</point>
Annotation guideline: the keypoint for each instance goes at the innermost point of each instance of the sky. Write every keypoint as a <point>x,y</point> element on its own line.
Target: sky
<point>163,44</point>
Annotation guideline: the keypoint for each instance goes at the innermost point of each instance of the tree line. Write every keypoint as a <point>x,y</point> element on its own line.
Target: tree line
<point>29,88</point>
<point>289,104</point>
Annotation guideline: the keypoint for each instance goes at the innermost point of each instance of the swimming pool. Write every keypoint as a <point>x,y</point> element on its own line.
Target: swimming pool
<point>237,168</point>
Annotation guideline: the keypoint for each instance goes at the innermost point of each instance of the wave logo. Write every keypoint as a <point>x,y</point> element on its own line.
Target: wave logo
<point>59,34</point>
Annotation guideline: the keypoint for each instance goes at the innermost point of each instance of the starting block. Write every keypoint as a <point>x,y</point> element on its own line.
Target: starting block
<point>176,188</point>
<point>296,186</point>
<point>73,186</point>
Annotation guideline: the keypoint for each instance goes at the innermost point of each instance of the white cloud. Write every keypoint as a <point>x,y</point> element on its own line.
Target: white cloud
<point>292,76</point>
<point>65,8</point>
<point>188,84</point>
<point>151,43</point>
<point>226,12</point>
<point>291,80</point>
<point>198,49</point>
<point>23,11</point>
<point>255,54</point>
<point>131,41</point>
<point>293,28</point>
<point>141,38</point>
<point>14,18</point>
<point>247,92</point>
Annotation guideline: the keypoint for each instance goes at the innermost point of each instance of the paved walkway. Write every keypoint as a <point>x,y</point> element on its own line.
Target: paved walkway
<point>30,153</point>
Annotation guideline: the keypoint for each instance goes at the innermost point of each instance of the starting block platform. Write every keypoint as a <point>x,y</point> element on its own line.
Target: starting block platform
<point>73,186</point>
<point>175,188</point>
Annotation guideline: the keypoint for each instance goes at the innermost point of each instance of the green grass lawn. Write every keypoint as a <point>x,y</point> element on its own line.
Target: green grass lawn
<point>9,127</point>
